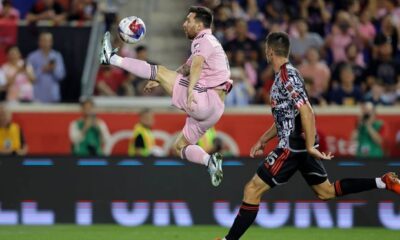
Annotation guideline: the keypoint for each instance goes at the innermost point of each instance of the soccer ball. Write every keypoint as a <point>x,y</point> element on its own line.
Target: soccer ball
<point>131,29</point>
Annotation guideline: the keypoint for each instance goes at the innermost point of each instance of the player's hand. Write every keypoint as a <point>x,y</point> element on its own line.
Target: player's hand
<point>257,150</point>
<point>190,100</point>
<point>320,155</point>
<point>150,85</point>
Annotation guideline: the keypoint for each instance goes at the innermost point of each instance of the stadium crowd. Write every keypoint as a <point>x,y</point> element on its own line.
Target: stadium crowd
<point>346,50</point>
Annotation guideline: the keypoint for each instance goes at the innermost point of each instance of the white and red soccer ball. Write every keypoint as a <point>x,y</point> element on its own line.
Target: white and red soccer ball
<point>131,29</point>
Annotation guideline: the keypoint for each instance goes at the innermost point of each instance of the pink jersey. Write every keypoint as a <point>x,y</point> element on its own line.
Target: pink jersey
<point>216,66</point>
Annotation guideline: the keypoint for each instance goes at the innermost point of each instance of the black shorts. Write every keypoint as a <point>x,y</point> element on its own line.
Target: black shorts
<point>280,165</point>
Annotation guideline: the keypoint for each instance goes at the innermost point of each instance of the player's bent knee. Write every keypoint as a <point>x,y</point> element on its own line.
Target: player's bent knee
<point>326,194</point>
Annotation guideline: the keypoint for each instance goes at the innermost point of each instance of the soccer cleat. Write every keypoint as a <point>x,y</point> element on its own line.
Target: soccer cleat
<point>215,169</point>
<point>392,182</point>
<point>106,51</point>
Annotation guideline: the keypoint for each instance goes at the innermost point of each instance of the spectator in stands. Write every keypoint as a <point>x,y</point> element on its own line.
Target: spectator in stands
<point>392,8</point>
<point>388,34</point>
<point>315,100</point>
<point>243,41</point>
<point>82,10</point>
<point>355,59</point>
<point>317,71</point>
<point>377,94</point>
<point>304,39</point>
<point>47,10</point>
<point>142,141</point>
<point>367,31</point>
<point>8,12</point>
<point>224,24</point>
<point>317,15</point>
<point>242,92</point>
<point>48,65</point>
<point>384,67</point>
<point>89,133</point>
<point>109,81</point>
<point>369,133</point>
<point>20,77</point>
<point>276,11</point>
<point>346,93</point>
<point>12,140</point>
<point>342,34</point>
<point>255,21</point>
<point>239,60</point>
<point>9,17</point>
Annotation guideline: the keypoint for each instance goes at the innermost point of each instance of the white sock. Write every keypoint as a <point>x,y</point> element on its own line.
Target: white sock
<point>116,60</point>
<point>379,183</point>
<point>206,158</point>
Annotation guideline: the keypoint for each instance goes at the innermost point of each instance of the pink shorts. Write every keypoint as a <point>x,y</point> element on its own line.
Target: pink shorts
<point>206,110</point>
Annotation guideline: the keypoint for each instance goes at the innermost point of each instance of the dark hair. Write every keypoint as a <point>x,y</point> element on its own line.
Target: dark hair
<point>85,99</point>
<point>279,43</point>
<point>203,15</point>
<point>9,48</point>
<point>141,48</point>
<point>144,111</point>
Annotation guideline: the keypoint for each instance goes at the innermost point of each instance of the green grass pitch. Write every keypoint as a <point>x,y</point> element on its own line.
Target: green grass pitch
<point>113,232</point>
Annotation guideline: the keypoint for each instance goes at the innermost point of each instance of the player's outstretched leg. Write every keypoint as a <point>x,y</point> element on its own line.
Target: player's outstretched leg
<point>326,190</point>
<point>165,77</point>
<point>196,154</point>
<point>253,192</point>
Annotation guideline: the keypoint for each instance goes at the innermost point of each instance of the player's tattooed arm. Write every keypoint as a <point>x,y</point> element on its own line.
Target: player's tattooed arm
<point>269,134</point>
<point>184,70</point>
<point>258,147</point>
<point>308,124</point>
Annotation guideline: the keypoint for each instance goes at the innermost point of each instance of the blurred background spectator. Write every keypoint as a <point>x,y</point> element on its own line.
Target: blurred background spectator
<point>316,71</point>
<point>12,140</point>
<point>8,12</point>
<point>109,81</point>
<point>47,10</point>
<point>345,92</point>
<point>303,40</point>
<point>355,33</point>
<point>48,65</point>
<point>142,141</point>
<point>20,77</point>
<point>88,133</point>
<point>369,134</point>
<point>82,10</point>
<point>242,91</point>
<point>361,33</point>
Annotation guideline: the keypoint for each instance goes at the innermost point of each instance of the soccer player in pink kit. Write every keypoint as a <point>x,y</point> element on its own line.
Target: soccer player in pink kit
<point>198,87</point>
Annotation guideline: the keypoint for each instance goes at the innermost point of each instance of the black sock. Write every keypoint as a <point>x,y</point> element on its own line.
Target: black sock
<point>354,185</point>
<point>246,216</point>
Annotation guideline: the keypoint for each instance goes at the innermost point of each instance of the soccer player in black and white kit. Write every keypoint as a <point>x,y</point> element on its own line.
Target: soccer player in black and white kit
<point>294,124</point>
